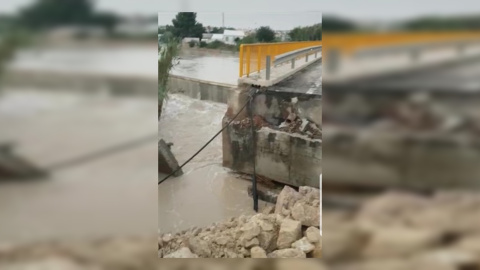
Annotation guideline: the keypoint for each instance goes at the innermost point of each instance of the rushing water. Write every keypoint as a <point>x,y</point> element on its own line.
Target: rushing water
<point>220,69</point>
<point>112,195</point>
<point>121,60</point>
<point>207,192</point>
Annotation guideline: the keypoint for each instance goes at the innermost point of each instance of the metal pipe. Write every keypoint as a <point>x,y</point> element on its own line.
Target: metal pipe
<point>268,67</point>
<point>254,150</point>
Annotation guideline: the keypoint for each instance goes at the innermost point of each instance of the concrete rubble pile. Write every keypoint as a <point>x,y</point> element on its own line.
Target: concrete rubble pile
<point>395,231</point>
<point>291,121</point>
<point>405,231</point>
<point>291,229</point>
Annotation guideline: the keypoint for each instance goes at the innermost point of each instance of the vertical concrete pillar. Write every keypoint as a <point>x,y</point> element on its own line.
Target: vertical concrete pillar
<point>236,101</point>
<point>268,68</point>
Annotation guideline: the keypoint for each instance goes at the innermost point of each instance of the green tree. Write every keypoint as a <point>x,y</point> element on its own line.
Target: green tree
<point>265,34</point>
<point>442,23</point>
<point>44,14</point>
<point>217,30</point>
<point>185,25</point>
<point>308,33</point>
<point>106,20</point>
<point>335,24</point>
<point>166,60</point>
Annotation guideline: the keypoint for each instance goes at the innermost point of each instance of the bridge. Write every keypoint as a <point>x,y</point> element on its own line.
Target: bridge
<point>266,64</point>
<point>367,77</point>
<point>360,55</point>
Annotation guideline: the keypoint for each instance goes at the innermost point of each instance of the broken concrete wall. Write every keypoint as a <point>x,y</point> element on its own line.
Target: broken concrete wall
<point>272,106</point>
<point>288,157</point>
<point>392,159</point>
<point>167,163</point>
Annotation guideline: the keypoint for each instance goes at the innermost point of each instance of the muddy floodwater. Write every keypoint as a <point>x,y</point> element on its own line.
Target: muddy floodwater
<point>220,69</point>
<point>111,195</point>
<point>207,192</point>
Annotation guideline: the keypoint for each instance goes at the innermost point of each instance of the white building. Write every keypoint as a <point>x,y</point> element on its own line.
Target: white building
<point>229,36</point>
<point>218,37</point>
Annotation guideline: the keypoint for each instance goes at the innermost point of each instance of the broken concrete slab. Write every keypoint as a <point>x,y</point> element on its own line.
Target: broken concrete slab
<point>14,167</point>
<point>167,163</point>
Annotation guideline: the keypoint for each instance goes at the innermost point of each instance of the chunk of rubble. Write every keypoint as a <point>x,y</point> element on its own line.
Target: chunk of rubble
<point>290,231</point>
<point>182,253</point>
<point>287,253</point>
<point>304,245</point>
<point>313,234</point>
<point>258,252</point>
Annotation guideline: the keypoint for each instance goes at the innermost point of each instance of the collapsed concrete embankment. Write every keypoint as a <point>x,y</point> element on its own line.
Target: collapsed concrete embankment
<point>288,144</point>
<point>290,229</point>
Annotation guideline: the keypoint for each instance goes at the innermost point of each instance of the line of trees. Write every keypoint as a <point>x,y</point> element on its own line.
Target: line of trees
<point>428,23</point>
<point>185,24</point>
<point>443,23</point>
<point>307,33</point>
<point>45,14</point>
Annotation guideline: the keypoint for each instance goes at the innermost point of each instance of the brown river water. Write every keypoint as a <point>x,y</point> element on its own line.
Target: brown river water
<point>111,195</point>
<point>206,192</point>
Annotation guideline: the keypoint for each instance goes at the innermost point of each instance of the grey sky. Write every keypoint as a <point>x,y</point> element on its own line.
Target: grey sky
<point>354,9</point>
<point>276,20</point>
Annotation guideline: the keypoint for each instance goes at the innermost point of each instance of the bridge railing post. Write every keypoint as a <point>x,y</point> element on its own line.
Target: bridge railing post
<point>267,71</point>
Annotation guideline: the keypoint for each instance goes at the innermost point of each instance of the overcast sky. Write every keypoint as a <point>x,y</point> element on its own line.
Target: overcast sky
<point>354,9</point>
<point>276,20</point>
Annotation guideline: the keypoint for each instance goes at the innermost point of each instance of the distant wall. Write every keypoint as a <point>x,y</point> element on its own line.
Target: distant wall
<point>114,85</point>
<point>199,89</point>
<point>206,52</point>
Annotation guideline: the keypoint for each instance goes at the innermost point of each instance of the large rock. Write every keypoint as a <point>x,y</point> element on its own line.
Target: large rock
<point>344,242</point>
<point>286,199</point>
<point>394,242</point>
<point>391,208</point>
<point>290,231</point>
<point>287,253</point>
<point>308,215</point>
<point>470,243</point>
<point>313,234</point>
<point>182,253</point>
<point>268,240</point>
<point>251,243</point>
<point>309,193</point>
<point>304,245</point>
<point>317,251</point>
<point>258,252</point>
<point>250,230</point>
<point>199,247</point>
<point>453,259</point>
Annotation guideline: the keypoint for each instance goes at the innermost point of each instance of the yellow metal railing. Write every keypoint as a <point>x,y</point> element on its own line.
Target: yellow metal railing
<point>253,56</point>
<point>349,43</point>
